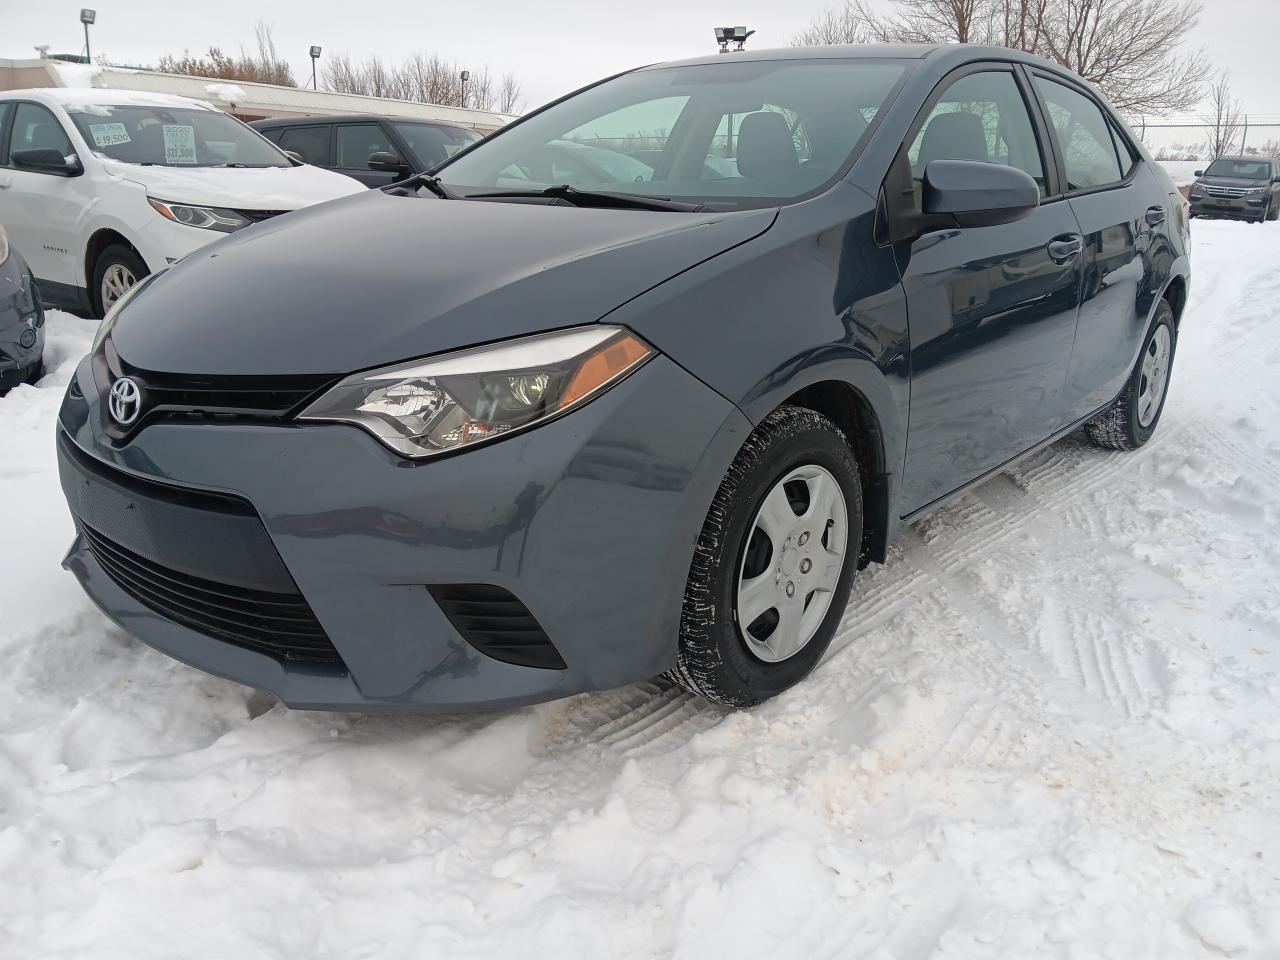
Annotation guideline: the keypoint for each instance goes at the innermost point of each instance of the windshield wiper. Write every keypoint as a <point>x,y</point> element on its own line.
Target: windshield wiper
<point>424,180</point>
<point>595,198</point>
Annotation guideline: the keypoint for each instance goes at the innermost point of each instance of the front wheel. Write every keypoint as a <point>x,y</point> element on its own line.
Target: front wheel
<point>1274,212</point>
<point>1131,420</point>
<point>774,564</point>
<point>117,269</point>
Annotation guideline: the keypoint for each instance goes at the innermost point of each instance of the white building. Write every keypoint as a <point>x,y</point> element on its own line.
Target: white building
<point>246,100</point>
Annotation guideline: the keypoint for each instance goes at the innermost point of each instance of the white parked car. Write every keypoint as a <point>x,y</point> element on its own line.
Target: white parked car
<point>99,188</point>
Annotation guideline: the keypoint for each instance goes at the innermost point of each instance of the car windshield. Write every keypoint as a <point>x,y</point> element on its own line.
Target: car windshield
<point>173,137</point>
<point>727,134</point>
<point>432,144</point>
<point>1240,168</point>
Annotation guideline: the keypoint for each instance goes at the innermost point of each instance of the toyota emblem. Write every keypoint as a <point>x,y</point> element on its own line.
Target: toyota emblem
<point>125,402</point>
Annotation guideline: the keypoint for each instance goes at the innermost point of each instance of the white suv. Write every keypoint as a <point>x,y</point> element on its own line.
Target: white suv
<point>99,188</point>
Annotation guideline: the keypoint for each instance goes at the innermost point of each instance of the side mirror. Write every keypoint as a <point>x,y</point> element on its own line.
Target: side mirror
<point>1275,179</point>
<point>1198,173</point>
<point>978,194</point>
<point>387,163</point>
<point>46,160</point>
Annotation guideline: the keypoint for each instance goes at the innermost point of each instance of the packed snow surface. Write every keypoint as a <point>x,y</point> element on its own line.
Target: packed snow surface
<point>1050,727</point>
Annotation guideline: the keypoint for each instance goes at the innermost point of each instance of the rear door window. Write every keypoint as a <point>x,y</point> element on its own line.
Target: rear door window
<point>310,143</point>
<point>1084,136</point>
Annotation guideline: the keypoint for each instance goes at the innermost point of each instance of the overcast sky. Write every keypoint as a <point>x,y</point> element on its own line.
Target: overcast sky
<point>553,47</point>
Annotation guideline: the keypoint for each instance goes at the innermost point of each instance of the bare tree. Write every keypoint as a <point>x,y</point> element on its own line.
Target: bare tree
<point>425,78</point>
<point>1223,118</point>
<point>509,94</point>
<point>263,66</point>
<point>1127,48</point>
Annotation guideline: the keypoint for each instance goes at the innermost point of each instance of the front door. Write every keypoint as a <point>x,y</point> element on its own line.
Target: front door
<point>43,212</point>
<point>991,310</point>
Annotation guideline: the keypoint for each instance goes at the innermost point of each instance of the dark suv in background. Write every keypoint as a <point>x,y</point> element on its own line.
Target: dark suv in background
<point>374,150</point>
<point>1244,188</point>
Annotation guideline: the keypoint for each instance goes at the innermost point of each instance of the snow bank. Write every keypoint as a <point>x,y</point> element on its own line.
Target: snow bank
<point>1050,728</point>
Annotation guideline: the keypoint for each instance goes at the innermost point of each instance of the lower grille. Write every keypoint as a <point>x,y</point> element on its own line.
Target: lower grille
<point>497,624</point>
<point>279,624</point>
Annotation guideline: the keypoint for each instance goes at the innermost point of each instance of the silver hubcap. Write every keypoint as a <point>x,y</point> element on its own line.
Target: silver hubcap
<point>115,281</point>
<point>1155,376</point>
<point>792,562</point>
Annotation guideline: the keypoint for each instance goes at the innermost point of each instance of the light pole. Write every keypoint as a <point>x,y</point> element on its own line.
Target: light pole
<point>465,75</point>
<point>87,17</point>
<point>315,55</point>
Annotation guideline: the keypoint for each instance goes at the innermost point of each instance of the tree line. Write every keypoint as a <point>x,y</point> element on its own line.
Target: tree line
<point>1129,49</point>
<point>425,78</point>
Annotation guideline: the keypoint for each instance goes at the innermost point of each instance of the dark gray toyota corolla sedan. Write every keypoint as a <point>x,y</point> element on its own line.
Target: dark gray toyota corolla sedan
<point>527,428</point>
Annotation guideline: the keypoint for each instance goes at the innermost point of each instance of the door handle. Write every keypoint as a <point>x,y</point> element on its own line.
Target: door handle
<point>1064,248</point>
<point>1155,216</point>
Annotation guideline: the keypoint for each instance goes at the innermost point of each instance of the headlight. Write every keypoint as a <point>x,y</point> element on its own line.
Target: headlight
<point>440,404</point>
<point>4,247</point>
<point>1255,191</point>
<point>109,320</point>
<point>206,218</point>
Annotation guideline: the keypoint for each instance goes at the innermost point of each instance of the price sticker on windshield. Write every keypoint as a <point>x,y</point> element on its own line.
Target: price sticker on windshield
<point>108,134</point>
<point>179,143</point>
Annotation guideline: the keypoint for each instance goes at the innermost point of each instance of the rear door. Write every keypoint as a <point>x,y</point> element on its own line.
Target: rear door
<point>991,310</point>
<point>1120,209</point>
<point>354,144</point>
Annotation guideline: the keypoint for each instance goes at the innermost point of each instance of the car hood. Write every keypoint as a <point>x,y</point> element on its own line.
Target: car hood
<point>1232,182</point>
<point>377,279</point>
<point>240,188</point>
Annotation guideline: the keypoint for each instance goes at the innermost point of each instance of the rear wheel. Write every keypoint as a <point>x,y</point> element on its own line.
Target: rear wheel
<point>774,563</point>
<point>117,269</point>
<point>1131,420</point>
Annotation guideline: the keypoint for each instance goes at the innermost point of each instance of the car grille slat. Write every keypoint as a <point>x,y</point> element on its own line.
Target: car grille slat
<point>495,622</point>
<point>281,625</point>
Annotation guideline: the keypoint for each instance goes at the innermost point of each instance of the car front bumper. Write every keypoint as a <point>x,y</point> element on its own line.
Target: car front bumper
<point>21,324</point>
<point>590,521</point>
<point>1245,208</point>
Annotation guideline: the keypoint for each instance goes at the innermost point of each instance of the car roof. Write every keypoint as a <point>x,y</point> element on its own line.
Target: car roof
<point>347,118</point>
<point>71,97</point>
<point>948,54</point>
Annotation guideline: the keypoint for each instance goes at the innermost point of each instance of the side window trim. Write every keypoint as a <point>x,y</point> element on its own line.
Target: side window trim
<point>6,123</point>
<point>1107,117</point>
<point>898,184</point>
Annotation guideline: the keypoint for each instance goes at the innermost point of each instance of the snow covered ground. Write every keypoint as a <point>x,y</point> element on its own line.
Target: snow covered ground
<point>1049,728</point>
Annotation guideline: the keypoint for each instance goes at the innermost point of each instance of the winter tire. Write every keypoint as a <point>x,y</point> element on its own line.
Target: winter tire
<point>1131,420</point>
<point>118,268</point>
<point>774,564</point>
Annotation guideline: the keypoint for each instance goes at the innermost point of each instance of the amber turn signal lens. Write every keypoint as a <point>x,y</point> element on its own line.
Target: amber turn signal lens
<point>607,362</point>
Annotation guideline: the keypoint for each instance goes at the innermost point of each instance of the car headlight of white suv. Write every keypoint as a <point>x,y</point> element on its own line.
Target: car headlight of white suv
<point>206,218</point>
